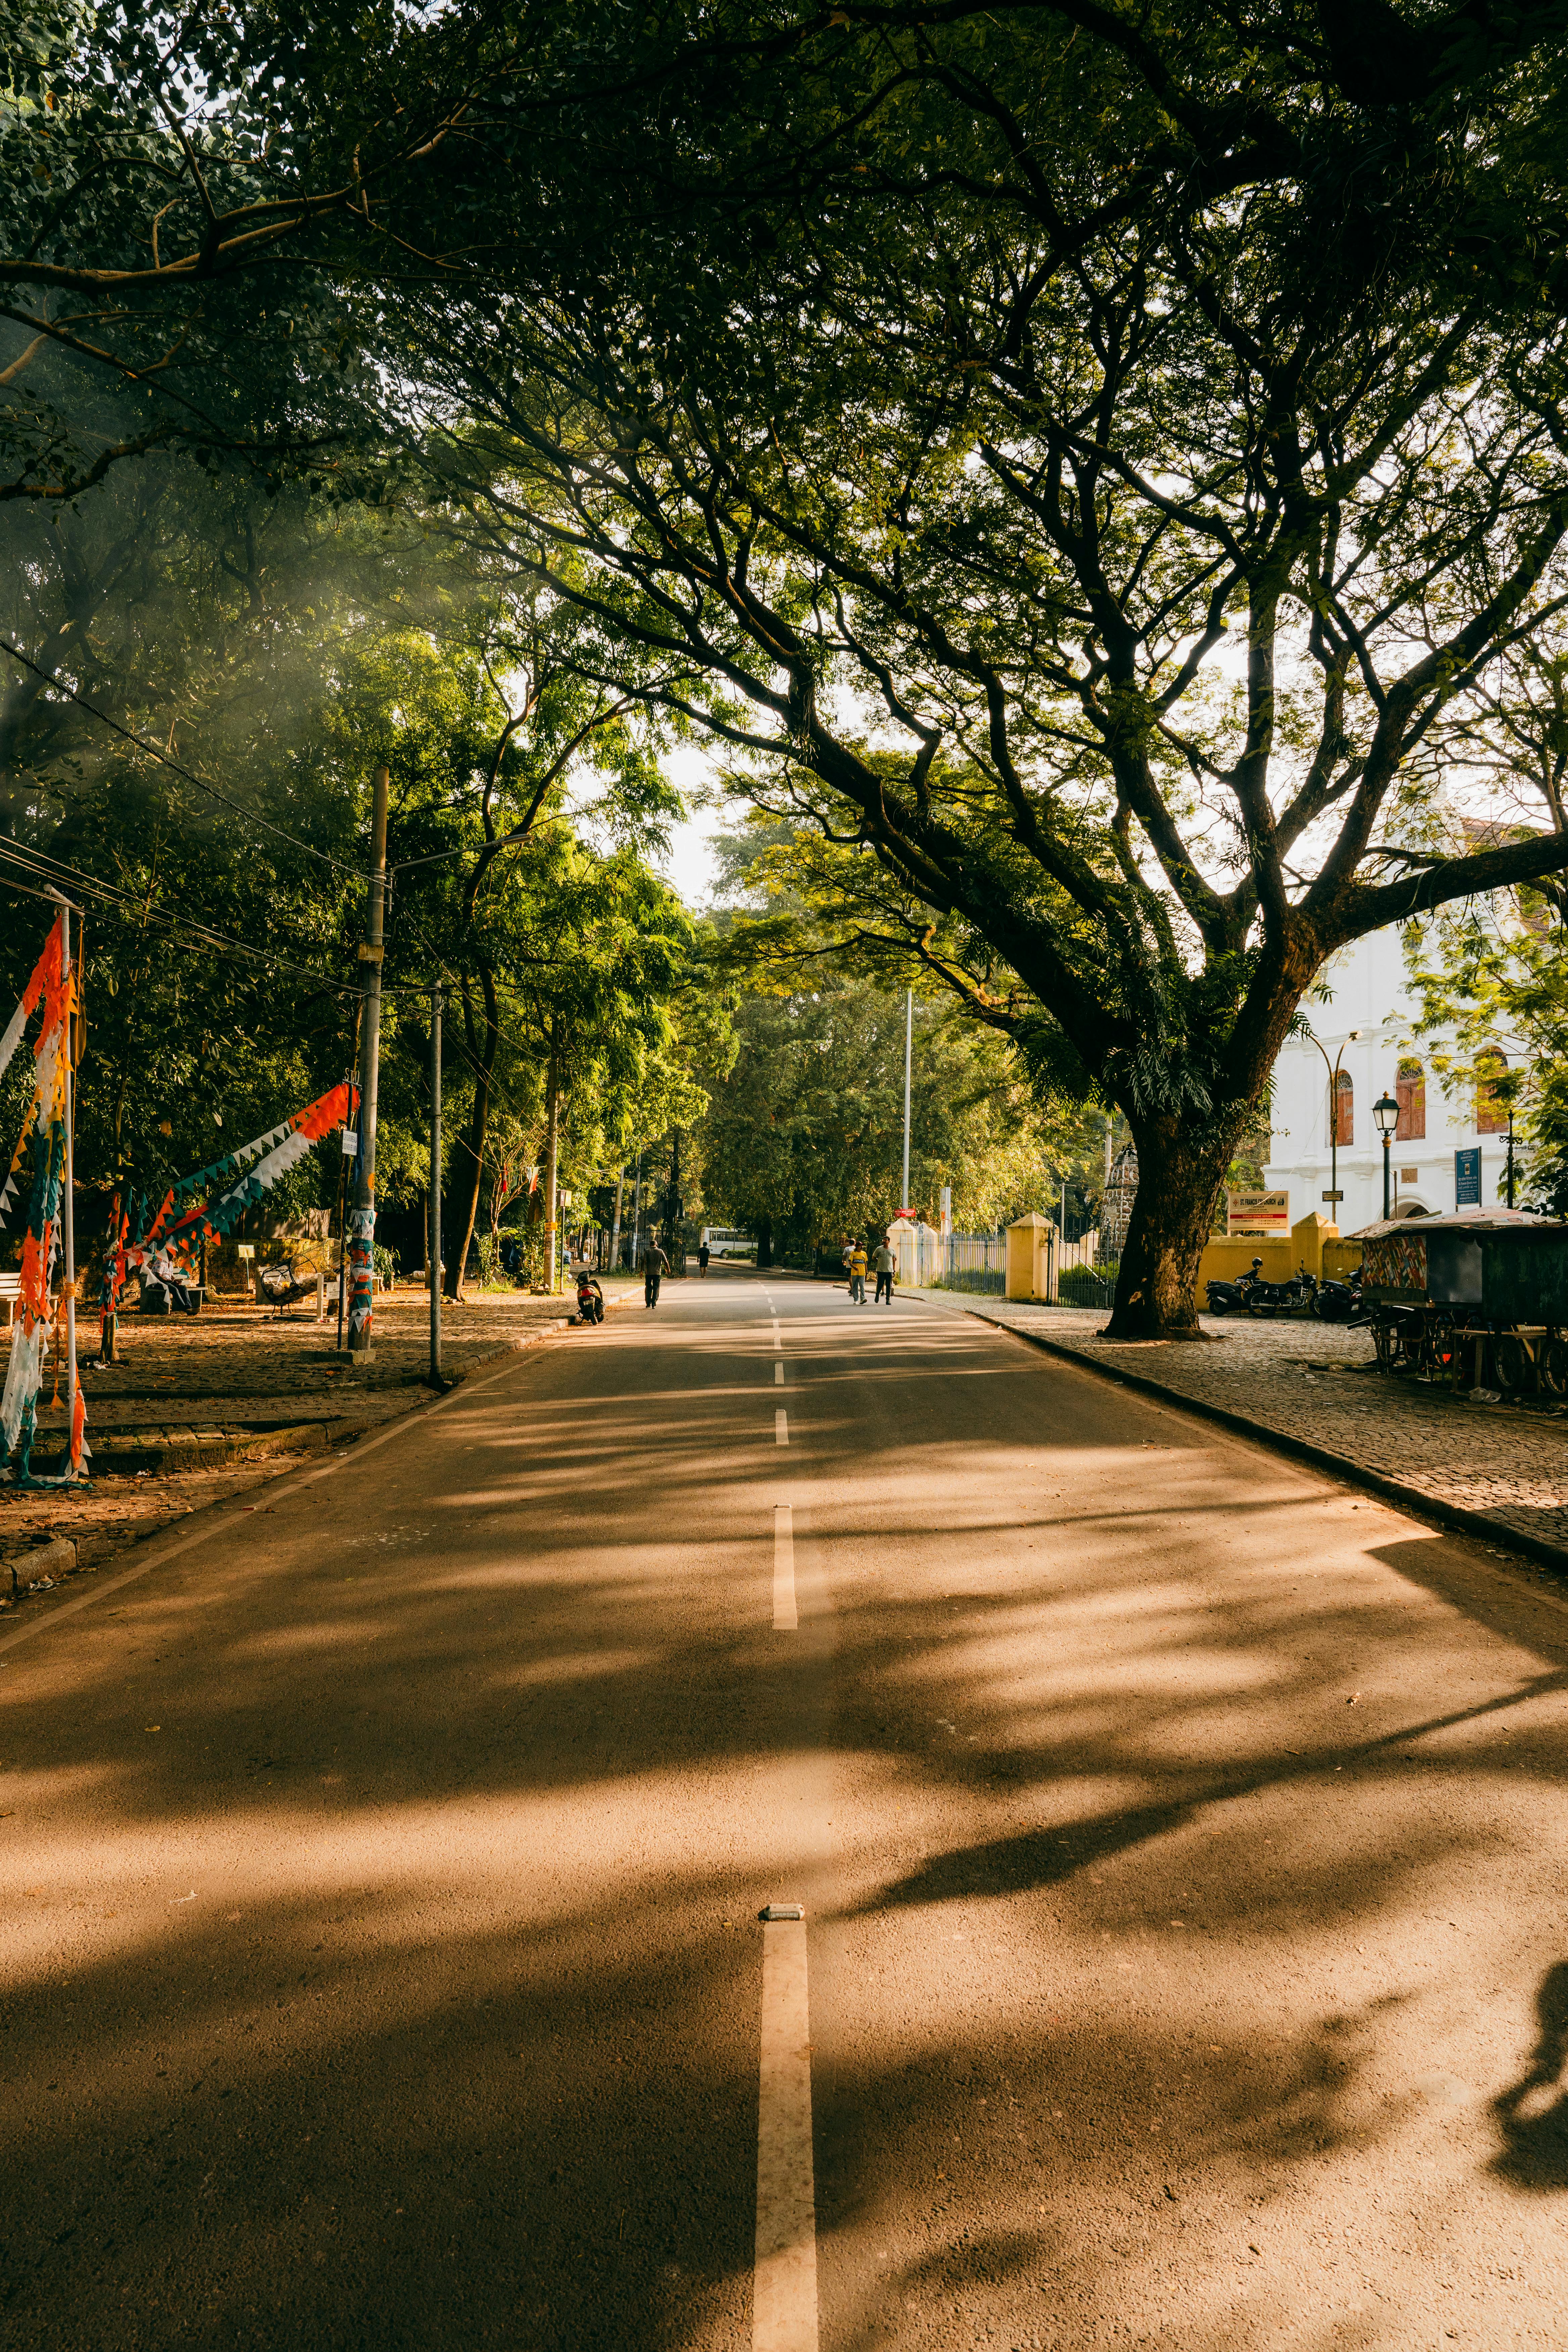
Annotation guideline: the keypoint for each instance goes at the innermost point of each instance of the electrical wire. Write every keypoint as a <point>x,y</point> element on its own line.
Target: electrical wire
<point>46,898</point>
<point>120,903</point>
<point>200,782</point>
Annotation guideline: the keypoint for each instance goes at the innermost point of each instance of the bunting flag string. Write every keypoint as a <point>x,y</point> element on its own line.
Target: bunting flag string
<point>201,1206</point>
<point>207,1203</point>
<point>54,984</point>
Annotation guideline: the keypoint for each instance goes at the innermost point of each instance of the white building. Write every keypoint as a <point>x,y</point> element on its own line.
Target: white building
<point>1371,998</point>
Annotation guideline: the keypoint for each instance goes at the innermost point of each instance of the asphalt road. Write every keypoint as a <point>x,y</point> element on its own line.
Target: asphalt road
<point>1179,1840</point>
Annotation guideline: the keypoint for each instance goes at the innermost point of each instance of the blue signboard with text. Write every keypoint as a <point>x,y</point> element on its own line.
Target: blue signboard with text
<point>1468,1178</point>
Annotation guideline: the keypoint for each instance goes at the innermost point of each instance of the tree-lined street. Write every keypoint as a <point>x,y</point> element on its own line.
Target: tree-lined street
<point>1178,1837</point>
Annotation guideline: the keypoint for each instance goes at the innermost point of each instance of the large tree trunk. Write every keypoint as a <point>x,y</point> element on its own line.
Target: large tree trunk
<point>468,1160</point>
<point>1178,1183</point>
<point>674,1220</point>
<point>615,1222</point>
<point>468,1171</point>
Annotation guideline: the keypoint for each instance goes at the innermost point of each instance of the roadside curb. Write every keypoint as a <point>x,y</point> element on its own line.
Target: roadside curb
<point>1300,1449</point>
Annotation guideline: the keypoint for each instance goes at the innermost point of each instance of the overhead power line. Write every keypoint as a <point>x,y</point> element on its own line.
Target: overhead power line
<point>120,902</point>
<point>212,791</point>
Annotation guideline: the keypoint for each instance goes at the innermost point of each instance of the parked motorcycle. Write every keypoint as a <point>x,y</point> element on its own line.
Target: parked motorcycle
<point>590,1298</point>
<point>1292,1297</point>
<point>1230,1298</point>
<point>1339,1302</point>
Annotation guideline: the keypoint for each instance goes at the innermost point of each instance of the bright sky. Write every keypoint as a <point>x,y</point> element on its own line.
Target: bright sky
<point>688,868</point>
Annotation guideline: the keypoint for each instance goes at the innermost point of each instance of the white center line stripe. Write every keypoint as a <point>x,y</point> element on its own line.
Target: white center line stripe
<point>784,2299</point>
<point>778,1376</point>
<point>786,1616</point>
<point>781,1427</point>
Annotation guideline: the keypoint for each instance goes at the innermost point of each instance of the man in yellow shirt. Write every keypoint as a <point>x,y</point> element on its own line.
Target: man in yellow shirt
<point>858,1274</point>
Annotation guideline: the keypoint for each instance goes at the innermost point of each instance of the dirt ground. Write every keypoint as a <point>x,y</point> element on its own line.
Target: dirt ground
<point>244,1377</point>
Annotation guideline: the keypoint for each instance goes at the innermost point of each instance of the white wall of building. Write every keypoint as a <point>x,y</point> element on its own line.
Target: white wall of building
<point>1370,996</point>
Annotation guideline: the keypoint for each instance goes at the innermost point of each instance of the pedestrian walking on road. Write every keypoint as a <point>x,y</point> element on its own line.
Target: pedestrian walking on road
<point>884,1263</point>
<point>702,1254</point>
<point>857,1275</point>
<point>654,1266</point>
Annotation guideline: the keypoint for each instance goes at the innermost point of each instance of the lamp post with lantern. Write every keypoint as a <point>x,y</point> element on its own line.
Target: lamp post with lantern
<point>1385,1111</point>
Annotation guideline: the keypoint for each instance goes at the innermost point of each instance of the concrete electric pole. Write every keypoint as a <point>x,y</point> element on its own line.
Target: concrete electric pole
<point>362,1213</point>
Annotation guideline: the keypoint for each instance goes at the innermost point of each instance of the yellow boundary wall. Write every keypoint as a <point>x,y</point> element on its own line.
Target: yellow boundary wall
<point>1313,1242</point>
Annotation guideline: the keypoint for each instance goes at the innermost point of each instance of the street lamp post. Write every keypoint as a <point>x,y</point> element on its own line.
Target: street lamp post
<point>1333,1194</point>
<point>1385,1111</point>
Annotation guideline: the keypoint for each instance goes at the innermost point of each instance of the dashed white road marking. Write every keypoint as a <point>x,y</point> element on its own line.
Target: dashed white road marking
<point>784,2298</point>
<point>786,1611</point>
<point>781,1427</point>
<point>778,1376</point>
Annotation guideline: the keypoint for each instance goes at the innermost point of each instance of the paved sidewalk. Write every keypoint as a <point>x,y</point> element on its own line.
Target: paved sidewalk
<point>1489,1467</point>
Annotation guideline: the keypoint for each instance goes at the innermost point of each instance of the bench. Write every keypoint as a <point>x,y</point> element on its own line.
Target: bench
<point>10,1296</point>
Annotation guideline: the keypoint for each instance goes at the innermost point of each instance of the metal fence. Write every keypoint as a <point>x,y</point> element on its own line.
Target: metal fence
<point>963,1261</point>
<point>1076,1276</point>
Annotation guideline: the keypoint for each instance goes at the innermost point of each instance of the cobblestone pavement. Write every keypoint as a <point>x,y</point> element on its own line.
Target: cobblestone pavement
<point>1314,1383</point>
<point>246,1368</point>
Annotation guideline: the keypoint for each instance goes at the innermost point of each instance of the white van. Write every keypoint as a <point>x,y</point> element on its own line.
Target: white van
<point>723,1240</point>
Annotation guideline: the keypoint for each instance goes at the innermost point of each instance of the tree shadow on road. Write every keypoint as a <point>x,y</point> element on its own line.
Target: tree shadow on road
<point>1532,2112</point>
<point>457,2046</point>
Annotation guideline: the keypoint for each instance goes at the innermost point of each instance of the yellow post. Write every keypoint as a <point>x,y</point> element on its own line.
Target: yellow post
<point>1024,1242</point>
<point>1306,1238</point>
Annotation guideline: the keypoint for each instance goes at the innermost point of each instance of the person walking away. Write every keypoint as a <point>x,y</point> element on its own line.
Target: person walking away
<point>857,1275</point>
<point>884,1263</point>
<point>702,1254</point>
<point>654,1266</point>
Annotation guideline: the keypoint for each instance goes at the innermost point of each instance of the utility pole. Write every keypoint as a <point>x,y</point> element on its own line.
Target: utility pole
<point>67,1209</point>
<point>362,1215</point>
<point>909,1057</point>
<point>435,1249</point>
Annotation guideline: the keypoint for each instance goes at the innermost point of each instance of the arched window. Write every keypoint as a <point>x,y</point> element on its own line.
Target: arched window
<point>1410,1094</point>
<point>1491,1110</point>
<point>1343,1130</point>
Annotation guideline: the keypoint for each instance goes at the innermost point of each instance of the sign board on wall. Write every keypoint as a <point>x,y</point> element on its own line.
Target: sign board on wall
<point>1258,1213</point>
<point>1468,1178</point>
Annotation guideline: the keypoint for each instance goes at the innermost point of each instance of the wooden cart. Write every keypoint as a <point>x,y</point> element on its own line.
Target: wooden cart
<point>1470,1301</point>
